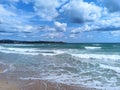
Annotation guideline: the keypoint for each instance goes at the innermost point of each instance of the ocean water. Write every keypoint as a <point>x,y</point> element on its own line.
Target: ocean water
<point>90,65</point>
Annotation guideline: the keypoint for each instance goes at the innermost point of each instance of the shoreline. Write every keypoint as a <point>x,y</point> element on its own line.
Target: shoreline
<point>37,85</point>
<point>13,83</point>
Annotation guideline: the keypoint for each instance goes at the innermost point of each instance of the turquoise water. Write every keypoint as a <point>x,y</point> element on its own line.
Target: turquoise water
<point>91,65</point>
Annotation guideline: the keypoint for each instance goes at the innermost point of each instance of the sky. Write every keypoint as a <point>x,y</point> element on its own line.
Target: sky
<point>60,20</point>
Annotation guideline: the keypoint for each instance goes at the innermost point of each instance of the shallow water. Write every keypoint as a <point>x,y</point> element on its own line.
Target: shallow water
<point>90,65</point>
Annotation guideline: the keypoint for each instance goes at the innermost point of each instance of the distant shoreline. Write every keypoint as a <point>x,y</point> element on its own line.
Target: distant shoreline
<point>29,42</point>
<point>8,41</point>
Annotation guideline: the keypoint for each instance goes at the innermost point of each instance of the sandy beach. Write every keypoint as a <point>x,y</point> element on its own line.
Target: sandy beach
<point>58,67</point>
<point>11,82</point>
<point>8,85</point>
<point>36,85</point>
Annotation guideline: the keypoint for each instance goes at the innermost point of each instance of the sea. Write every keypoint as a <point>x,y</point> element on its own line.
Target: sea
<point>91,65</point>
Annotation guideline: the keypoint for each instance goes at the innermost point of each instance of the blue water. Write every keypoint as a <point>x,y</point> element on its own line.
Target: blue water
<point>91,65</point>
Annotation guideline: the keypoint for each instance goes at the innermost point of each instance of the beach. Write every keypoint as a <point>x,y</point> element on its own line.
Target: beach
<point>59,44</point>
<point>59,67</point>
<point>36,85</point>
<point>12,83</point>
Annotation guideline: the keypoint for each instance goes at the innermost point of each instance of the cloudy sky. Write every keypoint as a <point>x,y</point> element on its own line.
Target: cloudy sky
<point>60,20</point>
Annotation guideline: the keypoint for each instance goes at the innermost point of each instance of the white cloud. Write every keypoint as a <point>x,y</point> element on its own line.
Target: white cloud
<point>83,28</point>
<point>60,26</point>
<point>80,11</point>
<point>112,5</point>
<point>5,12</point>
<point>12,21</point>
<point>88,16</point>
<point>46,9</point>
<point>47,28</point>
<point>26,1</point>
<point>72,36</point>
<point>53,35</point>
<point>24,28</point>
<point>109,23</point>
<point>115,33</point>
<point>6,34</point>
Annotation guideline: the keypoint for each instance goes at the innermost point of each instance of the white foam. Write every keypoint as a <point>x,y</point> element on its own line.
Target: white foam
<point>117,69</point>
<point>92,48</point>
<point>4,71</point>
<point>9,67</point>
<point>19,51</point>
<point>31,51</point>
<point>30,78</point>
<point>55,52</point>
<point>71,80</point>
<point>97,56</point>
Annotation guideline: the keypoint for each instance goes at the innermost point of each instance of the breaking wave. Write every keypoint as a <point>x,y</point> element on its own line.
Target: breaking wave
<point>92,48</point>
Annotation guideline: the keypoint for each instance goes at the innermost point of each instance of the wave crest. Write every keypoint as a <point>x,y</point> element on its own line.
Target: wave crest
<point>92,48</point>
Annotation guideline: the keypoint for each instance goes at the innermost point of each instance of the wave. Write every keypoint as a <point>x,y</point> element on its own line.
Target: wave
<point>92,48</point>
<point>18,50</point>
<point>51,52</point>
<point>87,68</point>
<point>117,69</point>
<point>97,56</point>
<point>30,51</point>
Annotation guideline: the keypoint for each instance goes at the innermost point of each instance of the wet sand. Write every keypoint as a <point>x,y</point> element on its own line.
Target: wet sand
<point>12,83</point>
<point>2,68</point>
<point>36,85</point>
<point>5,85</point>
<point>45,85</point>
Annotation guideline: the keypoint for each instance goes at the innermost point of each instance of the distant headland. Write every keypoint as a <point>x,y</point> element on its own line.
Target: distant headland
<point>7,41</point>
